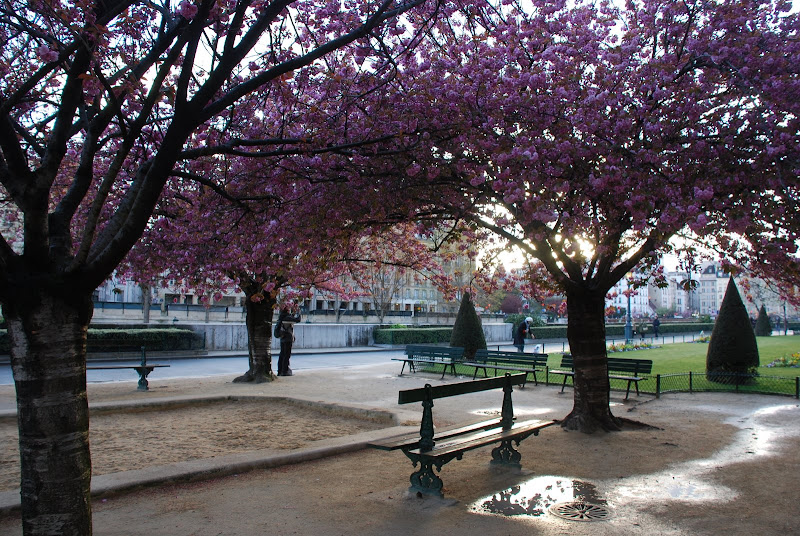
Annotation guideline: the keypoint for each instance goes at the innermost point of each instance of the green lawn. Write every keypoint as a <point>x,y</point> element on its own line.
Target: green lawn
<point>673,361</point>
<point>691,356</point>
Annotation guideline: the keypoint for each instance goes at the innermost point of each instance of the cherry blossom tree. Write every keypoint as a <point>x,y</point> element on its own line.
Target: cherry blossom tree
<point>273,248</point>
<point>588,136</point>
<point>101,104</point>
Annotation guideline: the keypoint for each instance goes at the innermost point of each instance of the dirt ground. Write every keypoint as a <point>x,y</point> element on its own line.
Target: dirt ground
<point>162,436</point>
<point>712,464</point>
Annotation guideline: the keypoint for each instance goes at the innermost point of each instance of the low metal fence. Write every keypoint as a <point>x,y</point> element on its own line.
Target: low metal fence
<point>690,382</point>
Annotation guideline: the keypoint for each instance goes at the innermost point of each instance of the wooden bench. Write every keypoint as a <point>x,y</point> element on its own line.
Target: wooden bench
<point>508,361</point>
<point>429,449</point>
<point>633,370</point>
<point>431,355</point>
<point>143,369</point>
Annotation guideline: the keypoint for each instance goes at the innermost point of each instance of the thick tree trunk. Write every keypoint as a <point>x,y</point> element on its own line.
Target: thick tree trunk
<point>586,332</point>
<point>48,359</point>
<point>259,335</point>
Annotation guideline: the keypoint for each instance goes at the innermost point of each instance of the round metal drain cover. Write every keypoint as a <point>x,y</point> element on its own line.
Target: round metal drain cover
<point>580,511</point>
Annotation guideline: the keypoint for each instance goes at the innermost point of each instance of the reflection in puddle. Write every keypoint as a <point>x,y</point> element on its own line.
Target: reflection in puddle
<point>688,481</point>
<point>534,497</point>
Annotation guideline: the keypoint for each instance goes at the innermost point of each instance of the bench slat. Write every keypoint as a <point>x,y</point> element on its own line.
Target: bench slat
<point>111,367</point>
<point>453,389</point>
<point>482,438</point>
<point>411,440</point>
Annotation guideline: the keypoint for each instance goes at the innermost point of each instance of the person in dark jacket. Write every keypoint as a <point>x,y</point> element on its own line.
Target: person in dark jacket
<point>284,330</point>
<point>656,324</point>
<point>521,333</point>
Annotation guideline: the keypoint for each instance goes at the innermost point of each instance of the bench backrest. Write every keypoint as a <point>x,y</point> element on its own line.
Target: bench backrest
<point>515,358</point>
<point>634,366</point>
<point>446,353</point>
<point>617,364</point>
<point>453,389</point>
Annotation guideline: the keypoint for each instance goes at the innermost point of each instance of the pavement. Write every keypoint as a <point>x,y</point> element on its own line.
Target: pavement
<point>316,375</point>
<point>365,381</point>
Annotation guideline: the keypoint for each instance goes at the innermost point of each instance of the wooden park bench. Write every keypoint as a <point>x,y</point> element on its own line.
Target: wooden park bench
<point>508,361</point>
<point>434,448</point>
<point>428,356</point>
<point>143,369</point>
<point>632,370</point>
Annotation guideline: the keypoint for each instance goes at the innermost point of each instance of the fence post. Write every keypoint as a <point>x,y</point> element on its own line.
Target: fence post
<point>658,385</point>
<point>691,380</point>
<point>797,387</point>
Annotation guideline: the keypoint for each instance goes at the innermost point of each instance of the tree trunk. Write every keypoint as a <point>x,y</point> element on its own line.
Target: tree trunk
<point>586,332</point>
<point>259,340</point>
<point>147,298</point>
<point>48,359</point>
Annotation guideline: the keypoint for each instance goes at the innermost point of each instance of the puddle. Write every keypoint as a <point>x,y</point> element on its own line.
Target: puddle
<point>760,434</point>
<point>534,497</point>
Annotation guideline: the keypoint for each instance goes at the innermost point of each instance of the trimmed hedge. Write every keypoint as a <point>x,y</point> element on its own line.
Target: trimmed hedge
<point>132,340</point>
<point>413,335</point>
<point>618,330</point>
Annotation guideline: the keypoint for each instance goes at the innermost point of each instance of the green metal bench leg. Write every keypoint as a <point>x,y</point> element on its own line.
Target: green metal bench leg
<point>143,372</point>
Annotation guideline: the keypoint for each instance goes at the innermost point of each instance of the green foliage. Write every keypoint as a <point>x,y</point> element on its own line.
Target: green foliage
<point>131,340</point>
<point>516,318</point>
<point>467,329</point>
<point>763,325</point>
<point>733,348</point>
<point>406,336</point>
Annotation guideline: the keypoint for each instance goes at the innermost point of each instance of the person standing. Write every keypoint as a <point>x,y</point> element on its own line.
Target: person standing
<point>284,330</point>
<point>656,324</point>
<point>287,339</point>
<point>521,333</point>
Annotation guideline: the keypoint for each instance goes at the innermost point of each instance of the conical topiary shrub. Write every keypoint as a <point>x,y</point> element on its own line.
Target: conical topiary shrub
<point>763,325</point>
<point>732,353</point>
<point>467,330</point>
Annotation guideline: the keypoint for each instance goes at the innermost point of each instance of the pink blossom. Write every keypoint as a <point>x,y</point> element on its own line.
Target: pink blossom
<point>187,10</point>
<point>46,53</point>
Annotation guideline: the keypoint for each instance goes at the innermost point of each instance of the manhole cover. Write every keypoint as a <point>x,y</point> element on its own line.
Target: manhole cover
<point>580,511</point>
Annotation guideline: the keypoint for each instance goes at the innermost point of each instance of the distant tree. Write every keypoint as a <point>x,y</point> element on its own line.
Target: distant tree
<point>733,350</point>
<point>763,325</point>
<point>467,330</point>
<point>511,304</point>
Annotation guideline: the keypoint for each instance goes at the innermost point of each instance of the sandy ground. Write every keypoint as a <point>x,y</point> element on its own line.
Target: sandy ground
<point>712,464</point>
<point>161,436</point>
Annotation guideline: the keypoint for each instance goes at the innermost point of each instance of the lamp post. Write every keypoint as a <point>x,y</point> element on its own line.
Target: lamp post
<point>628,324</point>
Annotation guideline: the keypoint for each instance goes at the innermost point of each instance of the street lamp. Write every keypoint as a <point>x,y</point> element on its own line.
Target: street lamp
<point>628,323</point>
